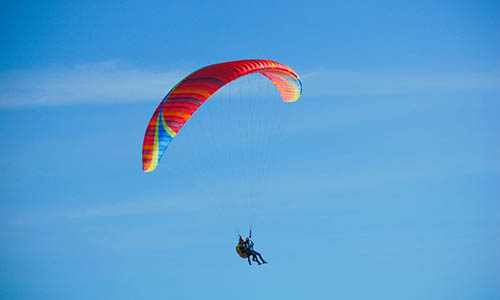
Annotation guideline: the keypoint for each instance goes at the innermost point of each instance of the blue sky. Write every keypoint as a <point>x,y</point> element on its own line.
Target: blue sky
<point>380,183</point>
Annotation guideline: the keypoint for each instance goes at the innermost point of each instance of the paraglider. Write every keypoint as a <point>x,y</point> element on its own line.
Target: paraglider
<point>245,250</point>
<point>191,92</point>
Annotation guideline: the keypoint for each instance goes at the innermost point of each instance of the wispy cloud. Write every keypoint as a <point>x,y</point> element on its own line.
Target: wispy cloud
<point>207,199</point>
<point>136,207</point>
<point>46,213</point>
<point>105,82</point>
<point>326,82</point>
<point>109,82</point>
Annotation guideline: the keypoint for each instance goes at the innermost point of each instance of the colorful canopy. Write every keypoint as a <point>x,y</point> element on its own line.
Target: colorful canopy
<point>191,92</point>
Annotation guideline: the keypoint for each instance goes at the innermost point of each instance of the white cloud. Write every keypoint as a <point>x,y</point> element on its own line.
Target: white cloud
<point>100,82</point>
<point>135,207</point>
<point>326,82</point>
<point>109,82</point>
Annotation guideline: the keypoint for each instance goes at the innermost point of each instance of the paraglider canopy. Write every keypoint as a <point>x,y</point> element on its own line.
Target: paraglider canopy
<point>191,92</point>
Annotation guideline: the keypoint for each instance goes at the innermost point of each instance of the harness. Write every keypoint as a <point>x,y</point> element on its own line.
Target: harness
<point>240,249</point>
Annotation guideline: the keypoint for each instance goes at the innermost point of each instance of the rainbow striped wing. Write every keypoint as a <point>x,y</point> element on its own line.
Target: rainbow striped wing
<point>189,94</point>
